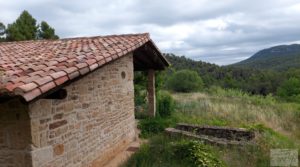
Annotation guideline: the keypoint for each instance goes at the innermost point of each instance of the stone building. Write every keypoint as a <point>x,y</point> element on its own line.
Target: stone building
<point>70,102</point>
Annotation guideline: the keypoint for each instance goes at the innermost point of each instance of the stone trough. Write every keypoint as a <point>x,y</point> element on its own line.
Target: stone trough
<point>213,135</point>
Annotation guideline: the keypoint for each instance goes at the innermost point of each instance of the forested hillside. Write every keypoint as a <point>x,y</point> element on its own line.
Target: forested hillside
<point>250,80</point>
<point>278,58</point>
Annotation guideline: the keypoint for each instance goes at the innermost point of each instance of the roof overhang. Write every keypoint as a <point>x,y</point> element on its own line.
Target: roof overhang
<point>149,57</point>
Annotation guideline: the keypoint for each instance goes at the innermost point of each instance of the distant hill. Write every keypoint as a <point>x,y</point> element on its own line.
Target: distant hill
<point>278,58</point>
<point>248,79</point>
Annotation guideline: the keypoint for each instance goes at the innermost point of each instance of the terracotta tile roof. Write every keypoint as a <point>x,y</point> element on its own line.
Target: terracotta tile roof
<point>31,68</point>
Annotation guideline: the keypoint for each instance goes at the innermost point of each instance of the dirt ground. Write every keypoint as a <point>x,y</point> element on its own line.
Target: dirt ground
<point>124,155</point>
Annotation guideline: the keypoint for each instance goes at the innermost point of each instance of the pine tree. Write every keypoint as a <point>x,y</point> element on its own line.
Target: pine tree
<point>2,32</point>
<point>46,32</point>
<point>24,28</point>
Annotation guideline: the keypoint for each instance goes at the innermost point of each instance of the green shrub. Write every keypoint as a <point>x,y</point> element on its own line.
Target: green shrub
<point>140,93</point>
<point>290,90</point>
<point>139,96</point>
<point>185,81</point>
<point>197,154</point>
<point>140,102</point>
<point>166,151</point>
<point>165,104</point>
<point>152,126</point>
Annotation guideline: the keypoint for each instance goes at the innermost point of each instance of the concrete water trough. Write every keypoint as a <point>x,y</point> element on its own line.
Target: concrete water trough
<point>213,134</point>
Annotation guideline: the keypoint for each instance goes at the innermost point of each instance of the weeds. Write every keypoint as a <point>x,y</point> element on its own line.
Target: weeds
<point>199,108</point>
<point>276,124</point>
<point>164,151</point>
<point>153,126</point>
<point>197,154</point>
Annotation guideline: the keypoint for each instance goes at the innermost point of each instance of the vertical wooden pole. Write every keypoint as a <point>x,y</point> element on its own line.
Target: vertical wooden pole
<point>151,93</point>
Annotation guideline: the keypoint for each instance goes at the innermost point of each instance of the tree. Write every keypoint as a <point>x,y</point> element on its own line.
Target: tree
<point>2,29</point>
<point>185,81</point>
<point>24,28</point>
<point>290,89</point>
<point>46,32</point>
<point>165,104</point>
<point>2,32</point>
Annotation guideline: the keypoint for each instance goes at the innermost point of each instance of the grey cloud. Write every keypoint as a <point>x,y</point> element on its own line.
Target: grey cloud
<point>221,32</point>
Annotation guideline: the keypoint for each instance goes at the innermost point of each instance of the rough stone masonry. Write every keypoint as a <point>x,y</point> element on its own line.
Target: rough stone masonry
<point>95,120</point>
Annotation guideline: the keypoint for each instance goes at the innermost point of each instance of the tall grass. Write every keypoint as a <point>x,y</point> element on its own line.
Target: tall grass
<point>277,123</point>
<point>237,109</point>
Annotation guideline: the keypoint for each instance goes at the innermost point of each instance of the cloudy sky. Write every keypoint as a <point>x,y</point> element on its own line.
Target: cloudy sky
<point>220,31</point>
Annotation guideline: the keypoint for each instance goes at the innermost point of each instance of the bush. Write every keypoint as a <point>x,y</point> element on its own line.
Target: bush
<point>185,81</point>
<point>140,94</point>
<point>165,104</point>
<point>140,102</point>
<point>165,151</point>
<point>197,154</point>
<point>152,126</point>
<point>290,89</point>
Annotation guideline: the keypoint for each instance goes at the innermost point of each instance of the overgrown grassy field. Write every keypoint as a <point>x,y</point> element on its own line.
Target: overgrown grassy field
<point>277,125</point>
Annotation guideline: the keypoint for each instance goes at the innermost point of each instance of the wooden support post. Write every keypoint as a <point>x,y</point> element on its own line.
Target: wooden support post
<point>151,93</point>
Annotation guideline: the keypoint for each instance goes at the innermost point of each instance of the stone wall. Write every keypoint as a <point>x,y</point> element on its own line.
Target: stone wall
<point>15,136</point>
<point>85,129</point>
<point>96,116</point>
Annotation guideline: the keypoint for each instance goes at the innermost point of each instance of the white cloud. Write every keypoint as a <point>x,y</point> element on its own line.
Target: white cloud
<point>221,32</point>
